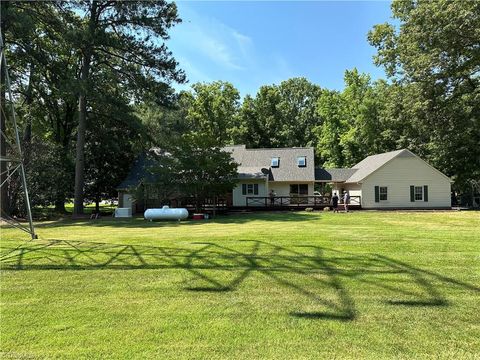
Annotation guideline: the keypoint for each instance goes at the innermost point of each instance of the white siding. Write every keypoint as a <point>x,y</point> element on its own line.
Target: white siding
<point>397,175</point>
<point>352,189</point>
<point>280,188</point>
<point>128,202</point>
<point>239,199</point>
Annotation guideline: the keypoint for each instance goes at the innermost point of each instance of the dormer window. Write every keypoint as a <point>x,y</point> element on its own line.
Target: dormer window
<point>275,162</point>
<point>302,161</point>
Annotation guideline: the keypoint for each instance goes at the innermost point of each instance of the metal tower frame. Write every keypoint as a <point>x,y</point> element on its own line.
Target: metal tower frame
<point>14,163</point>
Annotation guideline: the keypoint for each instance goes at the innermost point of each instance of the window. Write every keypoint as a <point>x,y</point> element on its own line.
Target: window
<point>275,162</point>
<point>418,193</point>
<point>299,189</point>
<point>302,161</point>
<point>383,193</point>
<point>249,189</point>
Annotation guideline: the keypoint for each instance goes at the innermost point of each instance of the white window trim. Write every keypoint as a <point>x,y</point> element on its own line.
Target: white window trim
<point>415,193</point>
<point>250,189</point>
<point>380,193</point>
<point>277,160</point>
<point>299,159</point>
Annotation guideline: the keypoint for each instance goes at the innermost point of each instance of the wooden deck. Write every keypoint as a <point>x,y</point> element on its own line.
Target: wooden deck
<point>254,203</point>
<point>296,202</point>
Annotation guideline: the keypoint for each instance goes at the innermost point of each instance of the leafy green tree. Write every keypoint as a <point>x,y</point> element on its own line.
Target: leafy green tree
<point>112,133</point>
<point>48,177</point>
<point>205,170</point>
<point>213,110</point>
<point>123,37</point>
<point>365,126</point>
<point>195,167</point>
<point>331,108</point>
<point>160,181</point>
<point>262,118</point>
<point>163,124</point>
<point>434,53</point>
<point>281,115</point>
<point>43,70</point>
<point>14,25</point>
<point>246,120</point>
<point>298,112</point>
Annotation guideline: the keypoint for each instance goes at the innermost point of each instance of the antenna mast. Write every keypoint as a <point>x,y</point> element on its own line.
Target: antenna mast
<point>11,163</point>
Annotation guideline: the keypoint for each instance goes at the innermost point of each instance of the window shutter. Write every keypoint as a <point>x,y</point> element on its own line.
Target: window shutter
<point>255,189</point>
<point>244,189</point>
<point>425,193</point>
<point>377,194</point>
<point>412,193</point>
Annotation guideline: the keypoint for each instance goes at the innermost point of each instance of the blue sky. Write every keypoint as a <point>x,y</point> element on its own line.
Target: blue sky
<point>256,43</point>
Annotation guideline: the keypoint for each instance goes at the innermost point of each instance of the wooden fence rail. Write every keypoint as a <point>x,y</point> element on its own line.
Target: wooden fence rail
<point>292,201</point>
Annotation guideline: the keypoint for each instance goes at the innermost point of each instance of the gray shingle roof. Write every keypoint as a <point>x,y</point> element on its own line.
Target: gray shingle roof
<point>252,172</point>
<point>333,175</point>
<point>374,162</point>
<point>288,169</point>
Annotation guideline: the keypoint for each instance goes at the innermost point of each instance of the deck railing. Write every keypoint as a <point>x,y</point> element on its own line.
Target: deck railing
<point>292,201</point>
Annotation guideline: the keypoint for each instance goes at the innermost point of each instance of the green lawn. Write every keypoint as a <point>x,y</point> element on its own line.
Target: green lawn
<point>280,286</point>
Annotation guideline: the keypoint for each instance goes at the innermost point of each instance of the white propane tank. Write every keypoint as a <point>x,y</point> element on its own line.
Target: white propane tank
<point>165,213</point>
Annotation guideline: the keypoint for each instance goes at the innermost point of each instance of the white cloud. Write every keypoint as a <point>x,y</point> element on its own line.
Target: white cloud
<point>245,45</point>
<point>209,50</point>
<point>209,38</point>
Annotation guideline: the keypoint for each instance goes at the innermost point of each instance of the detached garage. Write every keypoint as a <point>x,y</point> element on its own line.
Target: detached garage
<point>397,179</point>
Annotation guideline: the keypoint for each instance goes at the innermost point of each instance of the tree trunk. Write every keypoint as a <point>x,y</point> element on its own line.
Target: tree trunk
<point>80,150</point>
<point>82,116</point>
<point>97,203</point>
<point>27,135</point>
<point>60,206</point>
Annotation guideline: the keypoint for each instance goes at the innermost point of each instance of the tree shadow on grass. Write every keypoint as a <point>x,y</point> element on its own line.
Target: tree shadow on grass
<point>317,274</point>
<point>323,315</point>
<point>420,303</point>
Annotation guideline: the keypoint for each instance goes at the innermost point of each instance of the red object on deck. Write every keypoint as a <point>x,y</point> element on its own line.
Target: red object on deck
<point>198,217</point>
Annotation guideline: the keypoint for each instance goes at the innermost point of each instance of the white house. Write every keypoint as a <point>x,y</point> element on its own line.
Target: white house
<point>397,179</point>
<point>392,180</point>
<point>288,172</point>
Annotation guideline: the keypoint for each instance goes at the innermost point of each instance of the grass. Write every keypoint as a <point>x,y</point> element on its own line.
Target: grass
<point>378,285</point>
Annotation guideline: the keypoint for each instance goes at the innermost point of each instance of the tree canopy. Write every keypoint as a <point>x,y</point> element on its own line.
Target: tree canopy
<point>434,55</point>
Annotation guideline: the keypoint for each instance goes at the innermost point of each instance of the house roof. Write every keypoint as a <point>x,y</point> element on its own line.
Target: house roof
<point>254,164</point>
<point>372,163</point>
<point>252,172</point>
<point>138,172</point>
<point>333,175</point>
<point>288,170</point>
